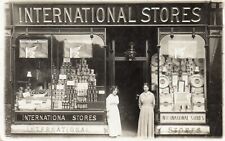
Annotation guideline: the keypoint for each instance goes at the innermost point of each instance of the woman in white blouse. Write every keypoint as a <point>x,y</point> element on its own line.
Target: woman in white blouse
<point>113,115</point>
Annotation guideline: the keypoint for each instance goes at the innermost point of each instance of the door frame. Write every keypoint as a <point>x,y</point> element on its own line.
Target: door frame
<point>112,59</point>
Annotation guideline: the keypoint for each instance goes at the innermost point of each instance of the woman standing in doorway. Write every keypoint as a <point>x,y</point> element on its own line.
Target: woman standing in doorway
<point>146,116</point>
<point>113,115</point>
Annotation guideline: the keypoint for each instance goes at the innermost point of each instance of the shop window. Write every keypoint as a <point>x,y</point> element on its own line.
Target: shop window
<point>78,73</point>
<point>59,72</point>
<point>182,85</point>
<point>33,74</point>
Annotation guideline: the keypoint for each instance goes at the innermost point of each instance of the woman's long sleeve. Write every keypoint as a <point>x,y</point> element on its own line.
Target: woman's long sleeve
<point>139,102</point>
<point>153,100</point>
<point>107,104</point>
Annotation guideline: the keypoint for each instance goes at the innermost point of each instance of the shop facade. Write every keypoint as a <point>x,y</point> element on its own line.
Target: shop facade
<point>64,57</point>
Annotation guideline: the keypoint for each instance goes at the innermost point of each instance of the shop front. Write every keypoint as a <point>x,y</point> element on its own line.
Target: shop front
<point>63,58</point>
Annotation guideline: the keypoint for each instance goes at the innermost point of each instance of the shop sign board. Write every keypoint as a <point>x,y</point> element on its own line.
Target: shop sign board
<point>111,14</point>
<point>44,117</point>
<point>59,129</point>
<point>182,130</point>
<point>198,118</point>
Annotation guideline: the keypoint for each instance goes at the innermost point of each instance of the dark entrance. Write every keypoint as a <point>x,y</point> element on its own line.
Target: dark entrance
<point>127,73</point>
<point>129,79</point>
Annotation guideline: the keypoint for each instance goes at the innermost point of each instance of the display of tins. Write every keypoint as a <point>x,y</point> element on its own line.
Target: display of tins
<point>166,107</point>
<point>197,70</point>
<point>185,78</point>
<point>163,81</point>
<point>183,68</point>
<point>154,60</point>
<point>169,68</point>
<point>181,83</point>
<point>199,62</point>
<point>197,81</point>
<point>198,95</point>
<point>198,107</point>
<point>176,68</point>
<point>175,62</point>
<point>197,90</point>
<point>164,90</point>
<point>174,79</point>
<point>197,99</point>
<point>182,98</point>
<point>169,60</point>
<point>153,68</point>
<point>164,69</point>
<point>154,78</point>
<point>166,99</point>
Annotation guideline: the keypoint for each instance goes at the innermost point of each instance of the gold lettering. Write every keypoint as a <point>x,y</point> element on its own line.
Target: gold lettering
<point>102,15</point>
<point>121,15</point>
<point>78,15</point>
<point>37,9</point>
<point>45,15</point>
<point>130,16</point>
<point>36,117</point>
<point>86,118</point>
<point>94,117</point>
<point>20,15</point>
<point>184,14</point>
<point>155,13</point>
<point>57,13</point>
<point>28,14</point>
<point>110,14</point>
<point>26,117</point>
<point>92,15</point>
<point>53,117</point>
<point>146,14</point>
<point>85,14</point>
<point>195,11</point>
<point>67,15</point>
<point>174,13</point>
<point>164,13</point>
<point>63,117</point>
<point>81,117</point>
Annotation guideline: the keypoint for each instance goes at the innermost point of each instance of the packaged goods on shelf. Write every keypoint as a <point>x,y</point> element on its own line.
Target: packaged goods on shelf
<point>79,82</point>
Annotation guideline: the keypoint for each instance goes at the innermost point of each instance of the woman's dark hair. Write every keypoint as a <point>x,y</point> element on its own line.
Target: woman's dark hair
<point>146,84</point>
<point>113,88</point>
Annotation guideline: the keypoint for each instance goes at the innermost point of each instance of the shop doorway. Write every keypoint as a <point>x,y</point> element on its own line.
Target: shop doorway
<point>130,70</point>
<point>129,77</point>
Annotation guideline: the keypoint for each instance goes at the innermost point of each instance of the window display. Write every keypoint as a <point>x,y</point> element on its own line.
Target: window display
<point>181,75</point>
<point>74,86</point>
<point>71,75</point>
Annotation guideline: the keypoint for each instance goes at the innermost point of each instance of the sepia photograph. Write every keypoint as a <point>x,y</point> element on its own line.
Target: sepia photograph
<point>112,70</point>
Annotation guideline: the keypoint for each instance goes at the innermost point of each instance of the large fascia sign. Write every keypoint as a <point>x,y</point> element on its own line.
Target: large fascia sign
<point>111,14</point>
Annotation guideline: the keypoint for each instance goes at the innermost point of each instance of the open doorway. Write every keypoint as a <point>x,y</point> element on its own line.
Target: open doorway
<point>129,79</point>
<point>130,75</point>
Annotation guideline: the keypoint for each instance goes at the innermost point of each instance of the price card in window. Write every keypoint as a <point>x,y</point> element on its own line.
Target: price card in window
<point>82,86</point>
<point>101,92</point>
<point>59,87</point>
<point>70,83</point>
<point>66,59</point>
<point>62,76</point>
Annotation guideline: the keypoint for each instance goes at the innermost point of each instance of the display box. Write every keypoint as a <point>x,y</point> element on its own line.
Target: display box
<point>166,107</point>
<point>200,107</point>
